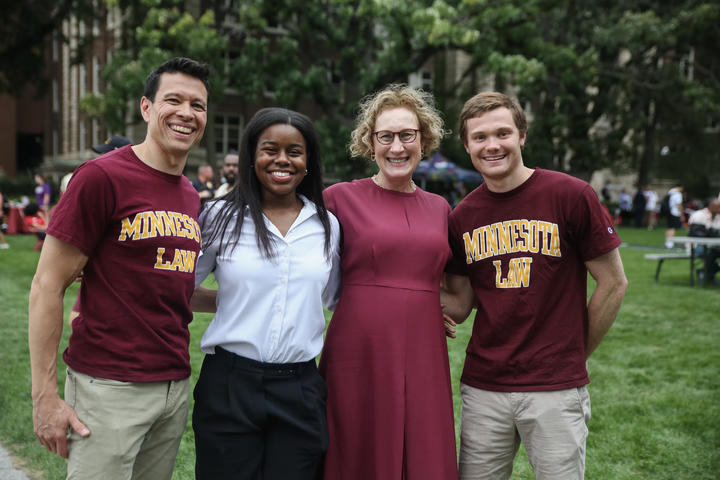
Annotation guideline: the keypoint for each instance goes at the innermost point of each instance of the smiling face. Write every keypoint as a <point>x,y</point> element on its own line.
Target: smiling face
<point>280,161</point>
<point>177,117</point>
<point>397,161</point>
<point>494,144</point>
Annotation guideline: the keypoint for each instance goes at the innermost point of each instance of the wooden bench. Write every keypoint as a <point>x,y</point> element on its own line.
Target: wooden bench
<point>661,257</point>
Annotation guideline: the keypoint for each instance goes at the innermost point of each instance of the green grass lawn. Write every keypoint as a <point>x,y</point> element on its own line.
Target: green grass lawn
<point>655,380</point>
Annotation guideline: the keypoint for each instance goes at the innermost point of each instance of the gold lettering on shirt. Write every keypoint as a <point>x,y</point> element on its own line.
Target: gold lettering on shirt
<point>130,229</point>
<point>183,260</point>
<point>518,273</point>
<point>163,224</point>
<point>160,223</point>
<point>510,237</point>
<point>169,223</point>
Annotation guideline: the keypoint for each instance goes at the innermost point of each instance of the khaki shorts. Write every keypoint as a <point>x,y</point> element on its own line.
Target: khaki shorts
<point>551,425</point>
<point>135,428</point>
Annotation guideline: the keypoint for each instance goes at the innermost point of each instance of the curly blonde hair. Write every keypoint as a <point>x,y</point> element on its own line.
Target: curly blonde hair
<point>419,102</point>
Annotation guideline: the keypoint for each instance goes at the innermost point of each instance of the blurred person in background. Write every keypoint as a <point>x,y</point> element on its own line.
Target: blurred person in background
<point>674,213</point>
<point>43,192</point>
<point>229,173</point>
<point>651,201</point>
<point>3,244</point>
<point>203,183</point>
<point>36,221</point>
<point>705,222</point>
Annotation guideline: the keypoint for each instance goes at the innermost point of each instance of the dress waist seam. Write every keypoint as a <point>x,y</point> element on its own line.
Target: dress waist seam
<point>354,284</point>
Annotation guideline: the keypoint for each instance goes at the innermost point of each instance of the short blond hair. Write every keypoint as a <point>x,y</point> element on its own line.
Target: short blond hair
<point>419,102</point>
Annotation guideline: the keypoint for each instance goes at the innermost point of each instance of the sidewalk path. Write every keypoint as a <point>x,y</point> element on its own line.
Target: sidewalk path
<point>7,471</point>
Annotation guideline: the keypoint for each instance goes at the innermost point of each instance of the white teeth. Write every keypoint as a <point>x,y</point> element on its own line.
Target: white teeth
<point>281,174</point>
<point>490,159</point>
<point>181,129</point>
<point>396,160</point>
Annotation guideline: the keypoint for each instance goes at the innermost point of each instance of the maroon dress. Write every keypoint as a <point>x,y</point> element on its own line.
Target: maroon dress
<point>385,360</point>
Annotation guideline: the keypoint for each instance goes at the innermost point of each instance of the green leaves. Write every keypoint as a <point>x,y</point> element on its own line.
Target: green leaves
<point>603,79</point>
<point>163,34</point>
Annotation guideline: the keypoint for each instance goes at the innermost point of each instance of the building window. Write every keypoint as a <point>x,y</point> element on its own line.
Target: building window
<point>95,132</point>
<point>427,80</point>
<point>228,130</point>
<point>55,50</point>
<point>95,23</point>
<point>55,96</point>
<point>422,79</point>
<point>230,57</point>
<point>95,75</point>
<point>687,65</point>
<point>81,121</point>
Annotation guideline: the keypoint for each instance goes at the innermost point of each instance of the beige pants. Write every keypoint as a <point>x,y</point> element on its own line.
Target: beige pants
<point>135,428</point>
<point>552,426</point>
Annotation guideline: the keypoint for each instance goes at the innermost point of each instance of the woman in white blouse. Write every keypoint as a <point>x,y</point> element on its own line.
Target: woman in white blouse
<point>259,402</point>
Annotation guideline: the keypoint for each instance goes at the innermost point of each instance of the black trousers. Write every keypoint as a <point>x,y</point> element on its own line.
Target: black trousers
<point>258,421</point>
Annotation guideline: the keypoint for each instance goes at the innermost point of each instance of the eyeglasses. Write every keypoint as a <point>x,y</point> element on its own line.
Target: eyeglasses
<point>386,137</point>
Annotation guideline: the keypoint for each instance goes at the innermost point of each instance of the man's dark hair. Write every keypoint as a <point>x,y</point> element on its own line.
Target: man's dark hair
<point>184,65</point>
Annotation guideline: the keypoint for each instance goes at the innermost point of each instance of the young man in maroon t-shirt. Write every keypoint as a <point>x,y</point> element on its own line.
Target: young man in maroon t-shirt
<point>523,243</point>
<point>128,220</point>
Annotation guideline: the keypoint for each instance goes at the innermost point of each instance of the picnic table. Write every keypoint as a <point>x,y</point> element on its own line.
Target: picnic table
<point>708,242</point>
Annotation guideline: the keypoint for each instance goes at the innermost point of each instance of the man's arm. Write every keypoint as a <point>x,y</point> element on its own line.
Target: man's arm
<point>204,300</point>
<point>457,297</point>
<point>59,265</point>
<point>608,272</point>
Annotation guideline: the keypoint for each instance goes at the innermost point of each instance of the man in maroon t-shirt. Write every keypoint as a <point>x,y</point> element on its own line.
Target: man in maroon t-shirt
<point>523,243</point>
<point>128,220</point>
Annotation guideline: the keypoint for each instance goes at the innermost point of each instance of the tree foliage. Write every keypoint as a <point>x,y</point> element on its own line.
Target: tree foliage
<point>624,80</point>
<point>26,27</point>
<point>607,83</point>
<point>333,53</point>
<point>665,84</point>
<point>165,31</point>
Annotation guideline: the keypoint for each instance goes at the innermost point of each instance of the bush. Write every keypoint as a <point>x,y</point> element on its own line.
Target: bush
<point>18,186</point>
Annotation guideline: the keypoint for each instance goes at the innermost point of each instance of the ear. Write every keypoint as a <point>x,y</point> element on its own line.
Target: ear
<point>523,136</point>
<point>145,104</point>
<point>465,144</point>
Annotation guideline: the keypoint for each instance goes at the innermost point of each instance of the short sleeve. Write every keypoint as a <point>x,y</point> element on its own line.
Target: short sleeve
<point>592,227</point>
<point>208,253</point>
<point>456,264</point>
<point>85,210</point>
<point>329,198</point>
<point>331,292</point>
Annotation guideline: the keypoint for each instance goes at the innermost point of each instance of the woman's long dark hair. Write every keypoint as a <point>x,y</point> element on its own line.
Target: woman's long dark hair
<point>248,191</point>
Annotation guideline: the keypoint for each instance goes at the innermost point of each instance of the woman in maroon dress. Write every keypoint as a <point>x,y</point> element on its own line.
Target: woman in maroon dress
<point>385,359</point>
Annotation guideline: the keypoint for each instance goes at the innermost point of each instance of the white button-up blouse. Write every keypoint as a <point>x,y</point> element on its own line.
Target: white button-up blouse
<point>271,310</point>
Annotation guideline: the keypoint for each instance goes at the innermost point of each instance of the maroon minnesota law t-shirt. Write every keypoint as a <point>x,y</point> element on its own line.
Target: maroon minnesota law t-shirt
<point>138,227</point>
<point>524,252</point>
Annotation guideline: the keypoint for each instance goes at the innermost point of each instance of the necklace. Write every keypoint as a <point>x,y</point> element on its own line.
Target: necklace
<point>411,185</point>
